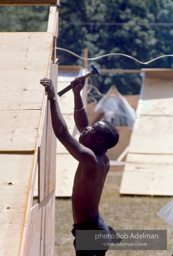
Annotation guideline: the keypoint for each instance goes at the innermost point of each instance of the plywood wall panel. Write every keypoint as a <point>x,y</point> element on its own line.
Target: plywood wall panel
<point>40,237</point>
<point>149,164</point>
<point>15,173</point>
<point>156,107</point>
<point>27,50</point>
<point>66,168</point>
<point>66,102</point>
<point>147,182</point>
<point>21,68</point>
<point>25,59</point>
<point>34,233</point>
<point>47,149</point>
<point>50,175</point>
<point>150,159</point>
<point>157,97</point>
<point>49,225</point>
<point>125,134</point>
<point>18,130</point>
<point>152,134</point>
<point>42,160</point>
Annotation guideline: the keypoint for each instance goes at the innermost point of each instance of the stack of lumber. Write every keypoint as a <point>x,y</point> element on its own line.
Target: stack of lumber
<point>149,163</point>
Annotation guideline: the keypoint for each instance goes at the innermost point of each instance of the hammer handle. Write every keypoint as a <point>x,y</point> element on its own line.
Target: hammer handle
<point>66,89</point>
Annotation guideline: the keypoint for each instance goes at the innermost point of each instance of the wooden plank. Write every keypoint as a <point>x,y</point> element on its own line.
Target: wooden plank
<point>132,100</point>
<point>46,211</point>
<point>40,236</point>
<point>148,182</point>
<point>158,73</point>
<point>29,202</point>
<point>148,174</point>
<point>34,235</point>
<point>66,168</point>
<point>125,134</point>
<point>15,173</point>
<point>29,54</point>
<point>42,161</point>
<point>52,27</point>
<point>50,175</point>
<point>155,165</point>
<point>25,43</point>
<point>70,69</point>
<point>123,154</point>
<point>92,115</point>
<point>152,134</point>
<point>157,97</point>
<point>18,131</point>
<point>116,166</point>
<point>150,159</point>
<point>28,65</point>
<point>53,21</point>
<point>29,2</point>
<point>156,107</point>
<point>20,97</point>
<point>47,149</point>
<point>49,225</point>
<point>140,167</point>
<point>155,89</point>
<point>66,101</point>
<point>149,163</point>
<point>120,70</point>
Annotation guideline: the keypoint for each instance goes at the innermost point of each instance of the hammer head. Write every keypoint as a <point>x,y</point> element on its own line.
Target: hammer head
<point>94,70</point>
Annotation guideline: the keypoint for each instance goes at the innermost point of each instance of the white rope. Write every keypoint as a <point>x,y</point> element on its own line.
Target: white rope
<point>114,54</point>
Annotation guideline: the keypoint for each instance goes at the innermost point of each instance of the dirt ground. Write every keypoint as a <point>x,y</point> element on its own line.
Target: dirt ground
<point>121,212</point>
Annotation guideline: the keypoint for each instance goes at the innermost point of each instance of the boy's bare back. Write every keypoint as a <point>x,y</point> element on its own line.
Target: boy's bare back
<point>87,189</point>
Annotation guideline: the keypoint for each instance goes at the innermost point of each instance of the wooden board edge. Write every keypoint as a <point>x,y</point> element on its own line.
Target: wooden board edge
<point>29,2</point>
<point>53,21</point>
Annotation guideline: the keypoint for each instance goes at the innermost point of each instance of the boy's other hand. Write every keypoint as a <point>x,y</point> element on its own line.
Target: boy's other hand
<point>47,83</point>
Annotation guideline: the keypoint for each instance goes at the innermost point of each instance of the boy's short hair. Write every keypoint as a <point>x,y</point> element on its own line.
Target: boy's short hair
<point>109,132</point>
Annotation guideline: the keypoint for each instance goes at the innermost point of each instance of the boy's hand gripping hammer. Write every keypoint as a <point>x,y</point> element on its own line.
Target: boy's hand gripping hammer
<point>94,71</point>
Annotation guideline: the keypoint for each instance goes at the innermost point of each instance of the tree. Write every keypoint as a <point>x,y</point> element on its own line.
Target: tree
<point>23,18</point>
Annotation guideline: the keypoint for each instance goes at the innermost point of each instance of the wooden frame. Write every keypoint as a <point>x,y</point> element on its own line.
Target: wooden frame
<point>29,2</point>
<point>27,140</point>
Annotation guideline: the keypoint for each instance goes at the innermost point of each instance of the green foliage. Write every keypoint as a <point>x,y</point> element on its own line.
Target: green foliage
<point>23,18</point>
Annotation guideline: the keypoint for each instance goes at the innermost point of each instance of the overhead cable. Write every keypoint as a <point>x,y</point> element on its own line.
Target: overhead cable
<point>113,54</point>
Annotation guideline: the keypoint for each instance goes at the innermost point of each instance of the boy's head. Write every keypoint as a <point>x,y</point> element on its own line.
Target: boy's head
<point>101,135</point>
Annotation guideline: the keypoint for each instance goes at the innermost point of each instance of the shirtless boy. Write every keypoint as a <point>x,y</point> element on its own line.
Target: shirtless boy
<point>90,152</point>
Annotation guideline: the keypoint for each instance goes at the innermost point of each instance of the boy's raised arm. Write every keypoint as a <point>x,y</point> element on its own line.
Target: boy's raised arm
<point>58,122</point>
<point>80,115</point>
<point>78,151</point>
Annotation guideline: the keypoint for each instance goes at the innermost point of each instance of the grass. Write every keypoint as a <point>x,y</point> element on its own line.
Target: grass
<point>121,212</point>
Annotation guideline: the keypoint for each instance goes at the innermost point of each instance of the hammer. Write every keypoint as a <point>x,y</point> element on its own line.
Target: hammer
<point>94,71</point>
